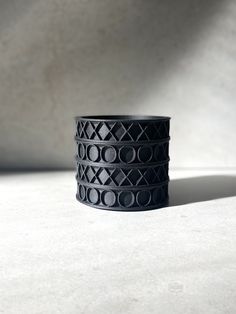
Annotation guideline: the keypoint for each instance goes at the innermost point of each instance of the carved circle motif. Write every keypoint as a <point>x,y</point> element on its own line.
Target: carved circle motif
<point>82,192</point>
<point>81,150</point>
<point>108,198</point>
<point>126,198</point>
<point>127,154</point>
<point>93,195</point>
<point>145,153</point>
<point>143,198</point>
<point>93,152</point>
<point>108,153</point>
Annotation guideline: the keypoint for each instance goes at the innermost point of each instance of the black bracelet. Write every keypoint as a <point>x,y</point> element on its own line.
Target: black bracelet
<point>122,161</point>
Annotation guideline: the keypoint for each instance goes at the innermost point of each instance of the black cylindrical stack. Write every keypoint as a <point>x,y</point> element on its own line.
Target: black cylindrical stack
<point>122,161</point>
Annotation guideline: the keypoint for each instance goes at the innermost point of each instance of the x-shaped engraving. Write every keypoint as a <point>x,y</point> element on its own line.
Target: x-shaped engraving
<point>126,177</point>
<point>96,172</point>
<point>126,130</point>
<point>143,131</point>
<point>95,131</point>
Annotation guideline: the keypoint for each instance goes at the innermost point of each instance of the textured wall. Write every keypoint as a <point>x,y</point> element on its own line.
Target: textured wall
<point>61,58</point>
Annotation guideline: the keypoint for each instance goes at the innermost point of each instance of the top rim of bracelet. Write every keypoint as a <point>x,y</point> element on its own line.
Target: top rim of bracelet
<point>121,118</point>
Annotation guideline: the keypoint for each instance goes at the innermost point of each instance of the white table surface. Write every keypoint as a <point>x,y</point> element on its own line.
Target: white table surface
<point>59,256</point>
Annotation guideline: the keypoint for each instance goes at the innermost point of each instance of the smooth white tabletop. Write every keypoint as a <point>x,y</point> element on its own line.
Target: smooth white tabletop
<point>59,256</point>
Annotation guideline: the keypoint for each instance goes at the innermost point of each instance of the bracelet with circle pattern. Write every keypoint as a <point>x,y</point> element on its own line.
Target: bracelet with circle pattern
<point>124,154</point>
<point>148,198</point>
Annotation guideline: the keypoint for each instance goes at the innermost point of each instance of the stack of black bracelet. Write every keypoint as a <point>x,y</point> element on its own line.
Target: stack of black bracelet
<point>122,161</point>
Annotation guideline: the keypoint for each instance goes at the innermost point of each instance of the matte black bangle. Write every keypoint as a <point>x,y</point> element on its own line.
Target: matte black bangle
<point>124,200</point>
<point>157,152</point>
<point>122,161</point>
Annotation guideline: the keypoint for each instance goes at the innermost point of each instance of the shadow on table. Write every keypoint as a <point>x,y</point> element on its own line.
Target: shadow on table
<point>200,189</point>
